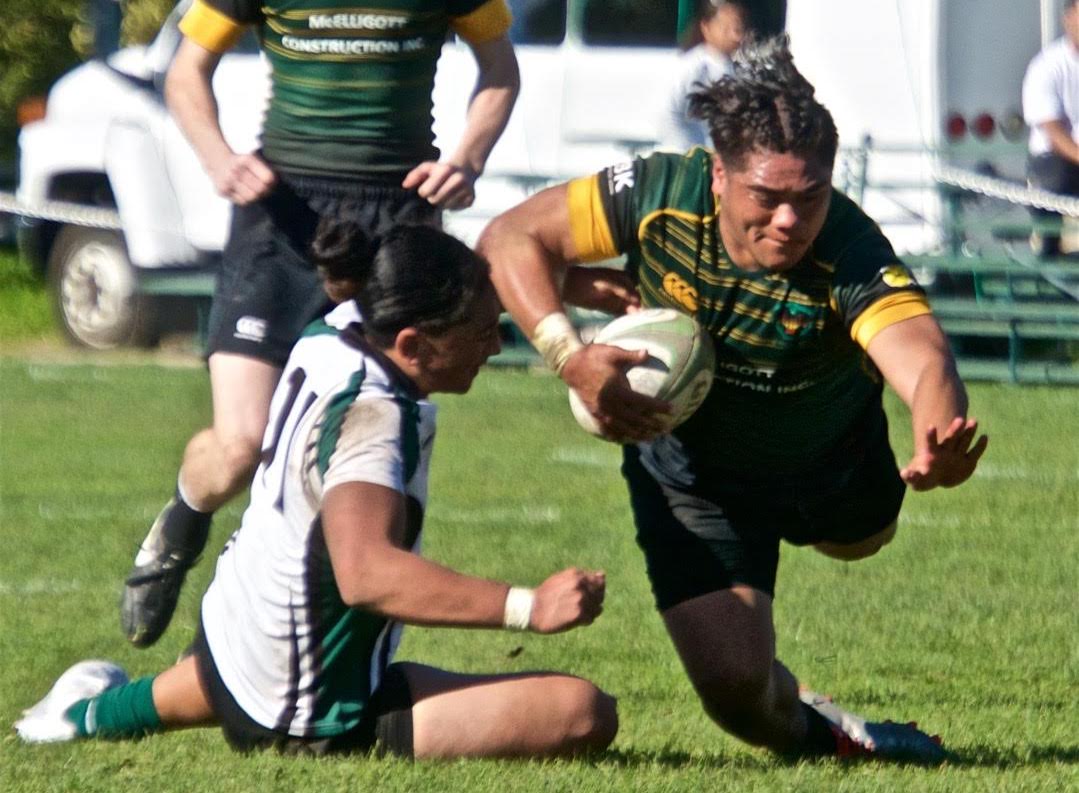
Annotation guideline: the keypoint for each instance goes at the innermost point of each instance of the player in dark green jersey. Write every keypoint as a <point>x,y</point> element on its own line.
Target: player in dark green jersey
<point>811,312</point>
<point>347,134</point>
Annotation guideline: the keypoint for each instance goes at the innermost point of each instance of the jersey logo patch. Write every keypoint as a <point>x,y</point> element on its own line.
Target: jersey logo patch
<point>619,177</point>
<point>795,320</point>
<point>684,294</point>
<point>896,276</point>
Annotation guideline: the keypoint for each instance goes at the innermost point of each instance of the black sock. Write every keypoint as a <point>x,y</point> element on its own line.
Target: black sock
<point>820,740</point>
<point>186,529</point>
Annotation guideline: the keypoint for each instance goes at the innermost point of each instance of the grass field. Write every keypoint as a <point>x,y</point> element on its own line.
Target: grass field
<point>25,306</point>
<point>967,623</point>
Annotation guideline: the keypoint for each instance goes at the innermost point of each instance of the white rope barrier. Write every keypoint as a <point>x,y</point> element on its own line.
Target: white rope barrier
<point>62,212</point>
<point>1012,192</point>
<point>1003,189</point>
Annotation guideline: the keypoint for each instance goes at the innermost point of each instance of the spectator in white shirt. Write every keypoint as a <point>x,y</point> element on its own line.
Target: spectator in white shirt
<point>1051,110</point>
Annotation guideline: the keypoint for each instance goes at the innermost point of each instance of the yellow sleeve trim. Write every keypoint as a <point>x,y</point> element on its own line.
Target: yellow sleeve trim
<point>487,23</point>
<point>587,220</point>
<point>210,29</point>
<point>889,310</point>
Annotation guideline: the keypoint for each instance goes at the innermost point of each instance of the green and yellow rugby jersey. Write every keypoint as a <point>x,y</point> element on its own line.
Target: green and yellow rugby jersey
<point>793,381</point>
<point>351,83</point>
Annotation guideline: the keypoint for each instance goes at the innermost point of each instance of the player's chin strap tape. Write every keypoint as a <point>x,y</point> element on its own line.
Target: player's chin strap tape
<point>518,614</point>
<point>556,340</point>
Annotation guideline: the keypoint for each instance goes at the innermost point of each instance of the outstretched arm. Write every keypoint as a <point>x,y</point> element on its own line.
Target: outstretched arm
<point>365,527</point>
<point>914,357</point>
<point>241,178</point>
<point>450,182</point>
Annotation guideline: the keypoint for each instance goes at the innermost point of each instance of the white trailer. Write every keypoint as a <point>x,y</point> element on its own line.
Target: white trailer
<point>931,83</point>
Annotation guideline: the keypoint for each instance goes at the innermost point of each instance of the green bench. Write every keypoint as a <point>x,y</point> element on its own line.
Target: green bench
<point>177,282</point>
<point>1029,306</point>
<point>193,285</point>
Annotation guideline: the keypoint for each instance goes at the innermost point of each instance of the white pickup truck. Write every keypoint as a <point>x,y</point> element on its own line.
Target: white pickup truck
<point>589,94</point>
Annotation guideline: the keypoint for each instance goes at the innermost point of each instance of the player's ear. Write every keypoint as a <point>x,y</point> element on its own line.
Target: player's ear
<point>408,345</point>
<point>719,175</point>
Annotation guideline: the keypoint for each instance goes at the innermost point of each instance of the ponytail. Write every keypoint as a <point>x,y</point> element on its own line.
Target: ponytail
<point>410,276</point>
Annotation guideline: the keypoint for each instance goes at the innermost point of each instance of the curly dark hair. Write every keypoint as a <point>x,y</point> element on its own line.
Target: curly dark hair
<point>765,105</point>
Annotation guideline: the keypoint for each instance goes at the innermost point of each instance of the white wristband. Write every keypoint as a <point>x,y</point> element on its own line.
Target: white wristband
<point>518,614</point>
<point>556,339</point>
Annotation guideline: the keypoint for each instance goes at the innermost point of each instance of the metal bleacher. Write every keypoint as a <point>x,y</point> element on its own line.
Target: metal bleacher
<point>1012,319</point>
<point>1010,315</point>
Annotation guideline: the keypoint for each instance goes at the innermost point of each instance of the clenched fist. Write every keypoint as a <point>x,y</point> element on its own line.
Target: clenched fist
<point>568,599</point>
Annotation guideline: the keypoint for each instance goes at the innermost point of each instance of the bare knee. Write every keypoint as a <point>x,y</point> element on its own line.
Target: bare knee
<point>216,467</point>
<point>234,458</point>
<point>735,697</point>
<point>590,717</point>
<point>239,460</point>
<point>851,552</point>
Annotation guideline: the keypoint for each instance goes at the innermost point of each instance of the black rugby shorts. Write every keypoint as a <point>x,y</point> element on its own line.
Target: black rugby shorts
<point>268,291</point>
<point>716,535</point>
<point>386,727</point>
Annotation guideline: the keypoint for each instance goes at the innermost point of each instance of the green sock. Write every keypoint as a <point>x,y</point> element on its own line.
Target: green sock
<point>124,712</point>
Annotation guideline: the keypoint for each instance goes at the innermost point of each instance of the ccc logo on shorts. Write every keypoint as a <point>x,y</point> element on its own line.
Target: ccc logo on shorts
<point>683,293</point>
<point>250,329</point>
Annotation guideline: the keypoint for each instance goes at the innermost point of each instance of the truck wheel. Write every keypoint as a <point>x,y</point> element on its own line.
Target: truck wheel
<point>93,288</point>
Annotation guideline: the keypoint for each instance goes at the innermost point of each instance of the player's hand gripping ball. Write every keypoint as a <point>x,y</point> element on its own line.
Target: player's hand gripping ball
<point>680,366</point>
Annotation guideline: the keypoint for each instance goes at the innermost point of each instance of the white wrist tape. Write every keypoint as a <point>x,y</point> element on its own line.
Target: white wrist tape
<point>556,340</point>
<point>518,614</point>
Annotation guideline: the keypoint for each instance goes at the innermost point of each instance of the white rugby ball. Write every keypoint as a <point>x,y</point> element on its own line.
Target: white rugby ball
<point>680,366</point>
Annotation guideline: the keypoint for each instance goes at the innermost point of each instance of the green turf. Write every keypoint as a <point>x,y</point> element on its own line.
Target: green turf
<point>24,309</point>
<point>967,623</point>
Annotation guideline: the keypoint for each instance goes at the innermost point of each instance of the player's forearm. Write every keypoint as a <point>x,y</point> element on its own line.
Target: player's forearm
<point>190,99</point>
<point>489,110</point>
<point>916,361</point>
<point>410,589</point>
<point>937,399</point>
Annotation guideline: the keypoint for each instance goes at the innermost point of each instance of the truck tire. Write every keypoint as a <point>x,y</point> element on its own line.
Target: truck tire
<point>93,290</point>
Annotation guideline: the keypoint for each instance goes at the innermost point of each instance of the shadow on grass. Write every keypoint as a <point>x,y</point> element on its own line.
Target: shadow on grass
<point>967,757</point>
<point>981,756</point>
<point>675,759</point>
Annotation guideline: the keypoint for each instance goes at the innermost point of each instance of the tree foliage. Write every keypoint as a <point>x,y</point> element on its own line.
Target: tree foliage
<point>42,39</point>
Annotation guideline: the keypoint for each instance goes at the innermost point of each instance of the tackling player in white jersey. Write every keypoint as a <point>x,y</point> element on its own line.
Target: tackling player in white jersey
<point>300,623</point>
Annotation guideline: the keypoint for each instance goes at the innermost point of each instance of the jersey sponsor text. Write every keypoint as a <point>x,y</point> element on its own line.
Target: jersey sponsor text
<point>356,22</point>
<point>351,46</point>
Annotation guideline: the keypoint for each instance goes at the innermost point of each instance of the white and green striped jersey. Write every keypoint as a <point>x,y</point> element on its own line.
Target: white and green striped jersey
<point>292,654</point>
